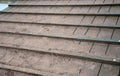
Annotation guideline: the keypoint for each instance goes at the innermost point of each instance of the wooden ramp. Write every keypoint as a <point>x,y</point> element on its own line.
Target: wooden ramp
<point>60,38</point>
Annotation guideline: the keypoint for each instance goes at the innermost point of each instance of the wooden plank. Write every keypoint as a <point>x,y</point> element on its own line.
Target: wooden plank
<point>99,49</point>
<point>116,34</point>
<point>105,33</point>
<point>118,22</point>
<point>91,69</point>
<point>69,19</point>
<point>86,1</point>
<point>36,29</point>
<point>69,38</point>
<point>80,31</point>
<point>87,20</point>
<point>64,10</point>
<point>113,51</point>
<point>99,1</point>
<point>109,70</point>
<point>99,20</point>
<point>62,2</point>
<point>115,9</point>
<point>108,1</point>
<point>84,47</point>
<point>94,9</point>
<point>76,55</point>
<point>104,9</point>
<point>3,72</point>
<point>83,9</point>
<point>83,12</point>
<point>75,25</point>
<point>51,63</point>
<point>116,1</point>
<point>25,70</point>
<point>111,20</point>
<point>77,9</point>
<point>74,9</point>
<point>54,44</point>
<point>92,32</point>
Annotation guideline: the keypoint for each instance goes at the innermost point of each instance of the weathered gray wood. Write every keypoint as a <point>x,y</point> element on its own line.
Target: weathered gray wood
<point>96,58</point>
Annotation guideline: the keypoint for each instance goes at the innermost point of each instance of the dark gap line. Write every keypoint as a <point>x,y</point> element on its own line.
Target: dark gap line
<point>99,69</point>
<point>117,21</point>
<point>91,47</point>
<point>74,30</point>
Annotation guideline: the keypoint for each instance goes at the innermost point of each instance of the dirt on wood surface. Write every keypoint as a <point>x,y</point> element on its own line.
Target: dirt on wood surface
<point>21,34</point>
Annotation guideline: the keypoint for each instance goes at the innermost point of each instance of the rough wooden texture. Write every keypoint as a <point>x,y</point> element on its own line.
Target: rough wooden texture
<point>68,9</point>
<point>6,72</point>
<point>44,62</point>
<point>49,64</point>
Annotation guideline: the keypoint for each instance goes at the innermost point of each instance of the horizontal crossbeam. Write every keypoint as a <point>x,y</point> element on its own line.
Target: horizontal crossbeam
<point>67,38</point>
<point>74,14</point>
<point>74,25</point>
<point>63,5</point>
